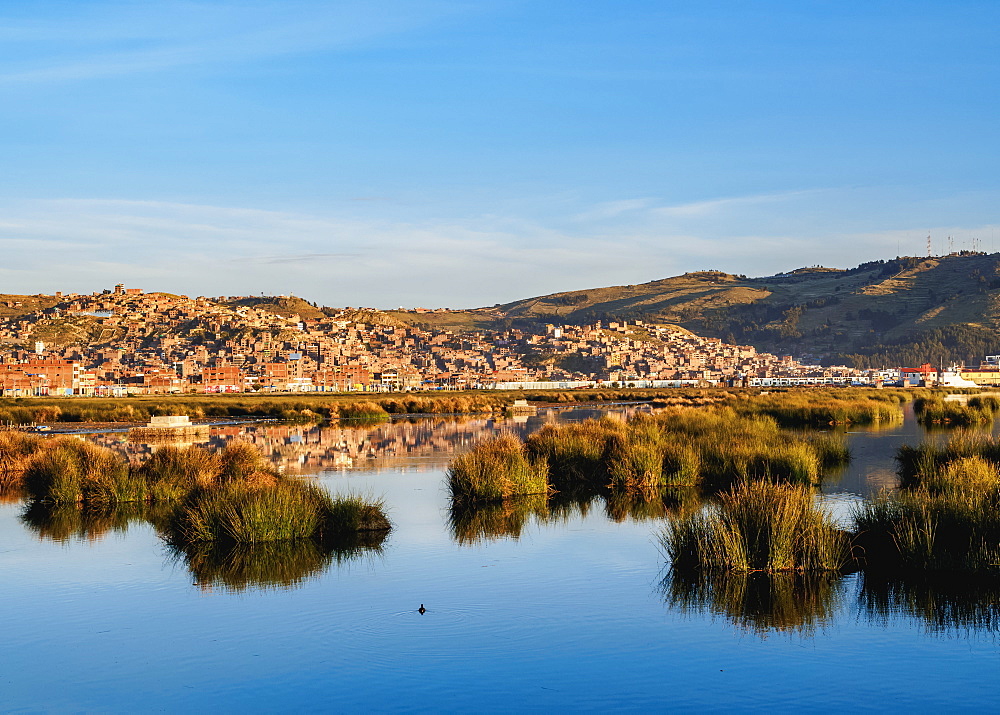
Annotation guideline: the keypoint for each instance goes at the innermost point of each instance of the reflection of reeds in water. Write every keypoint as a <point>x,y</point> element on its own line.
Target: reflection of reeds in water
<point>475,523</point>
<point>944,603</point>
<point>271,565</point>
<point>648,506</point>
<point>758,602</point>
<point>571,504</point>
<point>11,493</point>
<point>62,522</point>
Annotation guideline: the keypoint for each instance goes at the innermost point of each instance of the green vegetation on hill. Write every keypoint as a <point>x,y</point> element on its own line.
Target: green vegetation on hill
<point>902,311</point>
<point>12,306</point>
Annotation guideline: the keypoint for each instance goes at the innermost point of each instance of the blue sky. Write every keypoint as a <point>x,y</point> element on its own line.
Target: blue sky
<point>460,154</point>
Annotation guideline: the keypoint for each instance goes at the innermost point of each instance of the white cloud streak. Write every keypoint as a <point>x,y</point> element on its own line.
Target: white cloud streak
<point>86,245</point>
<point>109,40</point>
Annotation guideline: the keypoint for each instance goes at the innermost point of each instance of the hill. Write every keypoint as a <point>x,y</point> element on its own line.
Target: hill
<point>904,310</point>
<point>901,311</point>
<point>12,306</point>
<point>285,306</point>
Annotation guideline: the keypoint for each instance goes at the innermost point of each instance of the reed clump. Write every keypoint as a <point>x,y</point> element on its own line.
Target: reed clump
<point>946,516</point>
<point>918,530</point>
<point>816,408</point>
<point>174,472</point>
<point>916,461</point>
<point>987,402</point>
<point>495,469</point>
<point>352,514</point>
<point>247,513</point>
<point>574,452</point>
<point>70,471</point>
<point>238,513</point>
<point>935,410</point>
<point>681,447</point>
<point>17,450</point>
<point>758,526</point>
<point>368,411</point>
<point>232,496</point>
<point>831,448</point>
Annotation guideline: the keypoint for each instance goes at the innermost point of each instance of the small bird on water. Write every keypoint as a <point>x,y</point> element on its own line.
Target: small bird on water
<point>421,610</point>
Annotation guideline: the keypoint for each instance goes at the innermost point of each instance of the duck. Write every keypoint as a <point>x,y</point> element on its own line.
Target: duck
<point>421,610</point>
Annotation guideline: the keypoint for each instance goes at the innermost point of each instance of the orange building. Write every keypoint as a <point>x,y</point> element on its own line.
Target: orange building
<point>41,377</point>
<point>228,378</point>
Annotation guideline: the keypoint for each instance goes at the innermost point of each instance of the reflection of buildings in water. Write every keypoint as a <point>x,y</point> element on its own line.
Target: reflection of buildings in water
<point>428,442</point>
<point>880,479</point>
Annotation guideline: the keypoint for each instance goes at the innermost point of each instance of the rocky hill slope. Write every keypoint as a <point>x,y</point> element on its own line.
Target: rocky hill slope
<point>904,310</point>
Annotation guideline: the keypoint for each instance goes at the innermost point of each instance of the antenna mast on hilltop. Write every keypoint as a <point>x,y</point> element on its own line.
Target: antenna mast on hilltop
<point>951,245</point>
<point>928,245</point>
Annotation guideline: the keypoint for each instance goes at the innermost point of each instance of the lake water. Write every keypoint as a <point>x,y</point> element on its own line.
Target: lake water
<point>529,607</point>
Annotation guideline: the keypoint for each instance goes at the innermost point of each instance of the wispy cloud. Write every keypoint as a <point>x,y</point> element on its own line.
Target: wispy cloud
<point>299,258</point>
<point>613,209</point>
<point>88,244</point>
<point>110,39</point>
<point>713,206</point>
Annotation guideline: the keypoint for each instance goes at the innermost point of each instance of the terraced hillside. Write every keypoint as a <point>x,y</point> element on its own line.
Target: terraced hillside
<point>883,312</point>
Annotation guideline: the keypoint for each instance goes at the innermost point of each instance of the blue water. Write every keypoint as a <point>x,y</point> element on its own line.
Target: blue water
<point>568,616</point>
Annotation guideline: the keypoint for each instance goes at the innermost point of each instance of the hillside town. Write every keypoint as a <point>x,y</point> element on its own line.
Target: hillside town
<point>124,341</point>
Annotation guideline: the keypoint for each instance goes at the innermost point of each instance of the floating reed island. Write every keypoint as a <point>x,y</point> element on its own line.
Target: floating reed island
<point>233,495</point>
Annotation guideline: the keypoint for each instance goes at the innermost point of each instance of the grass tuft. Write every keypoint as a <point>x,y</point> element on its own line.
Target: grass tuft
<point>757,526</point>
<point>495,469</point>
